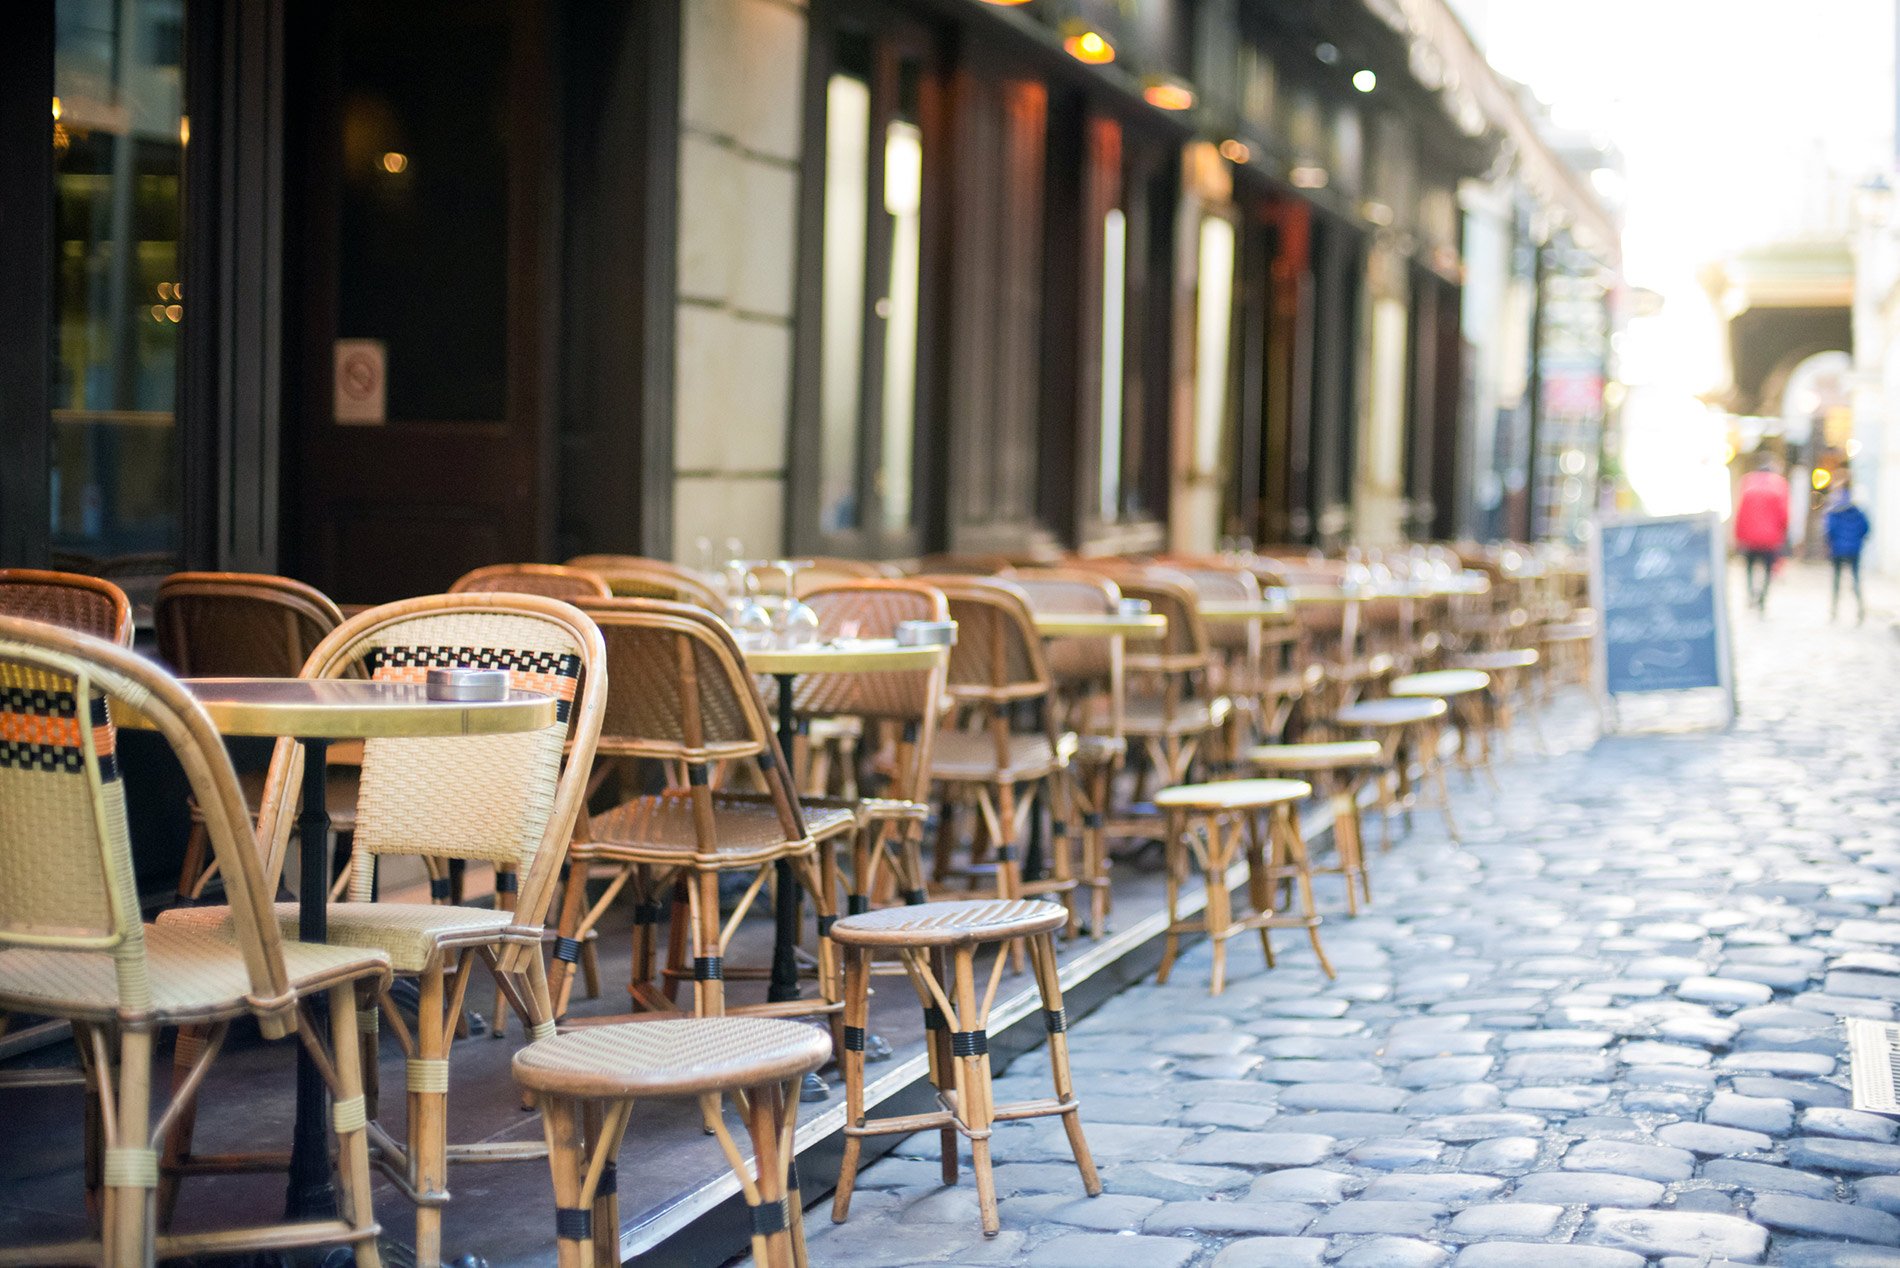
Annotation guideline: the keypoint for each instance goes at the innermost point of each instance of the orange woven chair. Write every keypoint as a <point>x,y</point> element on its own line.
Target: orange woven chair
<point>636,577</point>
<point>686,700</point>
<point>70,600</point>
<point>72,945</point>
<point>556,581</point>
<point>508,800</point>
<point>247,625</point>
<point>985,756</point>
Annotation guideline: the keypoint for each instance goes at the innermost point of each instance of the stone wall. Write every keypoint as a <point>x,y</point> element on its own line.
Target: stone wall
<point>742,68</point>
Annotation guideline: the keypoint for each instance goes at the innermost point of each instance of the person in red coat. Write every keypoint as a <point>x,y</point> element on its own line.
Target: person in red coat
<point>1761,524</point>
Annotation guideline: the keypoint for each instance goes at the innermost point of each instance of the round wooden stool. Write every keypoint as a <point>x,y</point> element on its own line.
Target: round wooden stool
<point>1506,670</point>
<point>937,943</point>
<point>1337,769</point>
<point>1465,693</point>
<point>1230,815</point>
<point>1404,728</point>
<point>587,1080</point>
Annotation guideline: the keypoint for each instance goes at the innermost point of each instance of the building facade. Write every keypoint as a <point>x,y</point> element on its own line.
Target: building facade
<point>372,294</point>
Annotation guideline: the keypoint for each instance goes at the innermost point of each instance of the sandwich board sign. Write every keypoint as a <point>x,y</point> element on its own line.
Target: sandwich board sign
<point>1660,587</point>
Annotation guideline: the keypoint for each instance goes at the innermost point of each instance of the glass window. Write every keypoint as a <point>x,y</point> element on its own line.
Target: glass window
<point>904,203</point>
<point>847,172</point>
<point>1214,305</point>
<point>1114,342</point>
<point>119,135</point>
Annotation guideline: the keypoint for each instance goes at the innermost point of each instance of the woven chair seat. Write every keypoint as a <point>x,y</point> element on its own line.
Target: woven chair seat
<point>411,934</point>
<point>1233,794</point>
<point>1337,755</point>
<point>1497,662</point>
<point>950,924</point>
<point>676,1057</point>
<point>970,756</point>
<point>660,830</point>
<point>1402,711</point>
<point>1442,683</point>
<point>196,976</point>
<point>1147,716</point>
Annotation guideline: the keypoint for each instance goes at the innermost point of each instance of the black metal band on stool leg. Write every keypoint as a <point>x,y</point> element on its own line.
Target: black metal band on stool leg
<point>575,1224</point>
<point>771,1217</point>
<point>507,883</point>
<point>825,923</point>
<point>609,1181</point>
<point>708,968</point>
<point>567,950</point>
<point>916,897</point>
<point>854,1039</point>
<point>934,1019</point>
<point>648,913</point>
<point>440,887</point>
<point>1056,1019</point>
<point>969,1043</point>
<point>856,904</point>
<point>1091,820</point>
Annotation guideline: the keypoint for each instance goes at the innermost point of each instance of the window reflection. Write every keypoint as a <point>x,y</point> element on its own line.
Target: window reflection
<point>1114,341</point>
<point>119,135</point>
<point>847,172</point>
<point>904,201</point>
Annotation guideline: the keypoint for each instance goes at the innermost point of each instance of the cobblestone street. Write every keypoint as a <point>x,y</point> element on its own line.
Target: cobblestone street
<point>1602,1033</point>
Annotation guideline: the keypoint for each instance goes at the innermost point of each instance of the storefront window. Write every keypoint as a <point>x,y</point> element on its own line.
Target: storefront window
<point>119,137</point>
<point>1114,341</point>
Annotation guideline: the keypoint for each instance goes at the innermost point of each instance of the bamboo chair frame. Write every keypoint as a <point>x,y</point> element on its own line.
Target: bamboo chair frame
<point>70,600</point>
<point>555,581</point>
<point>637,577</point>
<point>117,1030</point>
<point>510,948</point>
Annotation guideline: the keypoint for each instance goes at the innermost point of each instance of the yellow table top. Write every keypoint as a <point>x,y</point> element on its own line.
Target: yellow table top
<point>863,656</point>
<point>1100,625</point>
<point>1441,683</point>
<point>351,709</point>
<point>1235,613</point>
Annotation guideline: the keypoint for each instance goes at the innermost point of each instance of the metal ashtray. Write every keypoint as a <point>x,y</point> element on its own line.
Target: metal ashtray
<point>926,633</point>
<point>468,684</point>
<point>1137,607</point>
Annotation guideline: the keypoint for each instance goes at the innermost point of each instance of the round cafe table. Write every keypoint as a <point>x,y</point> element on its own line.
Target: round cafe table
<point>1141,626</point>
<point>315,712</point>
<point>785,664</point>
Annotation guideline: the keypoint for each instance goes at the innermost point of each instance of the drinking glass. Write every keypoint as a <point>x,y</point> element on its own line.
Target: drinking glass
<point>796,625</point>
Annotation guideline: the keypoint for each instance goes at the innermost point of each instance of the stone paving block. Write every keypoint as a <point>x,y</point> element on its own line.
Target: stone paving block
<point>1863,985</point>
<point>1773,1115</point>
<point>1848,1124</point>
<point>1648,1052</point>
<point>1540,1255</point>
<point>1711,1141</point>
<point>1795,1064</point>
<point>1724,990</point>
<point>1568,1099</point>
<point>1797,1091</point>
<point>1110,1212</point>
<point>1442,1043</point>
<point>1320,1072</point>
<point>1587,1189</point>
<point>1853,1157</point>
<point>1673,1233</point>
<point>1360,1216</point>
<point>1314,1185</point>
<point>1558,1067</point>
<point>1169,1181</point>
<point>1508,1220</point>
<point>1459,1098</point>
<point>1257,1150</point>
<point>1830,1255</point>
<point>1343,1124</point>
<point>1394,1252</point>
<point>1505,1156</point>
<point>1221,1114</point>
<point>1358,1097</point>
<point>1761,1176</point>
<point>1619,1157</point>
<point>1448,1188</point>
<point>1465,1128</point>
<point>1109,1250</point>
<point>1880,1192</point>
<point>1443,1071</point>
<point>1395,1154</point>
<point>1279,1219</point>
<point>1273,1252</point>
<point>1826,1219</point>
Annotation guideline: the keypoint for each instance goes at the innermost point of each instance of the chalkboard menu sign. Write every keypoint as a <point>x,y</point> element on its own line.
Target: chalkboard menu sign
<point>1662,603</point>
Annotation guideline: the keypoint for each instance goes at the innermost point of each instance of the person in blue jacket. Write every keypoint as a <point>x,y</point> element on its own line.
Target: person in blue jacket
<point>1846,527</point>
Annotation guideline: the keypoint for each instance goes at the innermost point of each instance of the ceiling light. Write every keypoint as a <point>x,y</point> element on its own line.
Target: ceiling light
<point>1364,80</point>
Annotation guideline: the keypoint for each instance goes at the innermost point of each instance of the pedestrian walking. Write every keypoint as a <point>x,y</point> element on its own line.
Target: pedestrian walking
<point>1761,524</point>
<point>1846,527</point>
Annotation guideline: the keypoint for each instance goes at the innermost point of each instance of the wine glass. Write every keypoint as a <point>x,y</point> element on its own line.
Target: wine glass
<point>751,622</point>
<point>795,624</point>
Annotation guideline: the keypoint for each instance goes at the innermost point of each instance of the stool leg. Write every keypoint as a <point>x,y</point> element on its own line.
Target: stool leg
<point>1176,856</point>
<point>1221,840</point>
<point>974,1107</point>
<point>603,1131</point>
<point>1260,883</point>
<point>1295,846</point>
<point>1346,845</point>
<point>352,1145</point>
<point>857,990</point>
<point>1435,771</point>
<point>709,993</point>
<point>1042,952</point>
<point>943,1061</point>
<point>567,1147</point>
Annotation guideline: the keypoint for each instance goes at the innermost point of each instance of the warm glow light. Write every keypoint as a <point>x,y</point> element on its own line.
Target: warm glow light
<point>1308,177</point>
<point>1853,449</point>
<point>56,109</point>
<point>164,290</point>
<point>1165,94</point>
<point>1378,213</point>
<point>1003,4</point>
<point>1235,151</point>
<point>1364,80</point>
<point>1822,478</point>
<point>394,162</point>
<point>1090,47</point>
<point>184,129</point>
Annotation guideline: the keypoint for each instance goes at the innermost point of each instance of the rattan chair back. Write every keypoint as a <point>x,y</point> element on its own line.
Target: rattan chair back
<point>962,565</point>
<point>998,655</point>
<point>70,600</point>
<point>503,799</point>
<point>67,884</point>
<point>1171,594</point>
<point>240,624</point>
<point>637,577</point>
<point>874,609</point>
<point>1072,591</point>
<point>555,581</point>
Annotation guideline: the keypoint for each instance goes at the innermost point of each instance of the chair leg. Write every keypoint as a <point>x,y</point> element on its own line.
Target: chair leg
<point>769,1115</point>
<point>176,1150</point>
<point>974,1105</point>
<point>1219,911</point>
<point>1042,952</point>
<point>567,1159</point>
<point>1295,845</point>
<point>131,1168</point>
<point>428,1082</point>
<point>709,988</point>
<point>573,908</point>
<point>1176,863</point>
<point>350,1118</point>
<point>505,882</point>
<point>857,990</point>
<point>191,869</point>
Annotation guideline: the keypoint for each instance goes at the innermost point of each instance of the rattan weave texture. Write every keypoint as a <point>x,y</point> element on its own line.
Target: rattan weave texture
<point>971,756</point>
<point>871,610</point>
<point>950,924</point>
<point>660,829</point>
<point>674,1057</point>
<point>411,933</point>
<point>71,601</point>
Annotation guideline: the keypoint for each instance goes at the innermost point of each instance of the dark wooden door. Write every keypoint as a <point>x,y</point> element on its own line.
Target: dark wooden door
<point>421,259</point>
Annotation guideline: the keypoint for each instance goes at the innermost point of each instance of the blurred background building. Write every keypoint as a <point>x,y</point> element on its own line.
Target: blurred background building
<point>372,293</point>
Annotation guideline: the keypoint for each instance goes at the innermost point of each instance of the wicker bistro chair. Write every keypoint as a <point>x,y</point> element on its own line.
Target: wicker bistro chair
<point>247,625</point>
<point>1173,708</point>
<point>507,800</point>
<point>637,577</point>
<point>685,699</point>
<point>556,581</point>
<point>72,946</point>
<point>1408,730</point>
<point>586,1082</point>
<point>901,710</point>
<point>1236,658</point>
<point>70,600</point>
<point>988,753</point>
<point>1337,770</point>
<point>1091,701</point>
<point>938,944</point>
<point>1212,826</point>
